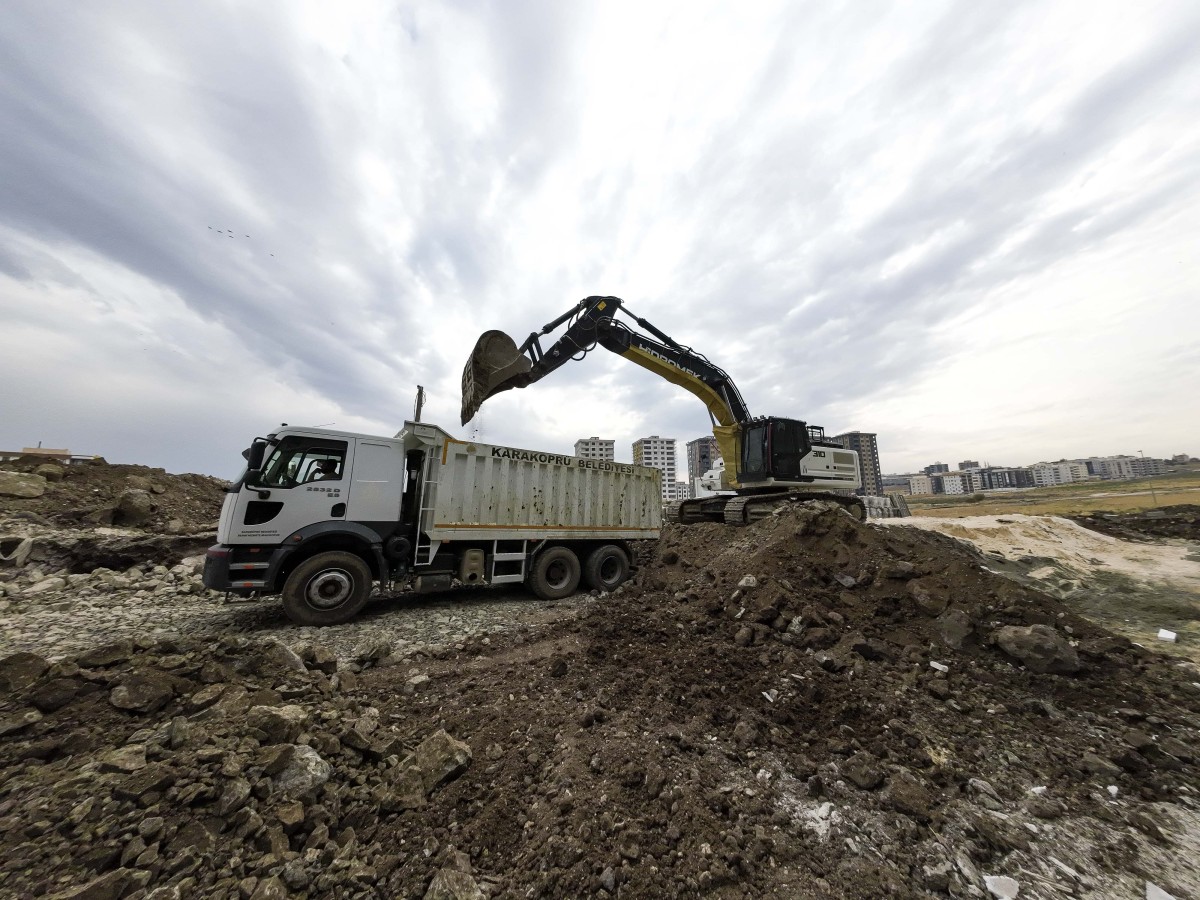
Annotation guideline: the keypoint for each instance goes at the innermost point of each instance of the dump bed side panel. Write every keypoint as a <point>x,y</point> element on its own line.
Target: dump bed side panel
<point>486,491</point>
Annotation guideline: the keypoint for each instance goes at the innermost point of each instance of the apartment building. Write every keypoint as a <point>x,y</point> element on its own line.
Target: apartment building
<point>969,464</point>
<point>702,455</point>
<point>955,483</point>
<point>994,478</point>
<point>936,469</point>
<point>869,472</point>
<point>658,453</point>
<point>920,484</point>
<point>595,448</point>
<point>1147,465</point>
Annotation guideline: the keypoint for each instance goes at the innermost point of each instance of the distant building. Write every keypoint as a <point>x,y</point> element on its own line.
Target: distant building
<point>936,468</point>
<point>1181,458</point>
<point>1109,466</point>
<point>920,484</point>
<point>869,472</point>
<point>658,453</point>
<point>702,455</point>
<point>995,478</point>
<point>50,454</point>
<point>968,464</point>
<point>1063,472</point>
<point>1148,465</point>
<point>952,483</point>
<point>595,448</point>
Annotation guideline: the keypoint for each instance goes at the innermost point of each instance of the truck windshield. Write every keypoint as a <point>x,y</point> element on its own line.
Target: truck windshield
<point>298,459</point>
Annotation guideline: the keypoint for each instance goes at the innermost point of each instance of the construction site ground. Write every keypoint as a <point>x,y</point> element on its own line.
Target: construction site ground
<point>808,707</point>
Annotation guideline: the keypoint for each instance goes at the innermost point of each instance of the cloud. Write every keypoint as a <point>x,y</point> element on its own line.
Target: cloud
<point>302,209</point>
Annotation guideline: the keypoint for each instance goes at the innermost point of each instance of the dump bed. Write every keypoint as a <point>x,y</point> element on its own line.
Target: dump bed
<point>483,491</point>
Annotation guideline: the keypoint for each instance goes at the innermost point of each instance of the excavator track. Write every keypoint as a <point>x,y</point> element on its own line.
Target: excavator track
<point>751,508</point>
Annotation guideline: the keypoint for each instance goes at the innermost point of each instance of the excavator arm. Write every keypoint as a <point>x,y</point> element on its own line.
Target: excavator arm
<point>498,364</point>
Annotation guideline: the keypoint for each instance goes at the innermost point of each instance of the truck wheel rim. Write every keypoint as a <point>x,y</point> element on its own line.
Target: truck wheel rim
<point>329,589</point>
<point>610,569</point>
<point>558,574</point>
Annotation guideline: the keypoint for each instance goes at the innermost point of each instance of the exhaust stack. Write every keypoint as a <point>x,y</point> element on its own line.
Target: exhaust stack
<point>495,365</point>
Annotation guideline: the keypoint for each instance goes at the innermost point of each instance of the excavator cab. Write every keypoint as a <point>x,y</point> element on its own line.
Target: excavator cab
<point>495,365</point>
<point>773,448</point>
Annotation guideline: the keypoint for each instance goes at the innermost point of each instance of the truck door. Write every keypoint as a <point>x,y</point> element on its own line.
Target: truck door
<point>304,480</point>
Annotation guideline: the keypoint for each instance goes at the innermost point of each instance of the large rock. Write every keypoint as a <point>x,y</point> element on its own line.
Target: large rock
<point>18,484</point>
<point>305,773</point>
<point>133,507</point>
<point>451,884</point>
<point>954,628</point>
<point>142,693</point>
<point>278,724</point>
<point>19,670</point>
<point>106,655</point>
<point>50,471</point>
<point>1039,648</point>
<point>439,758</point>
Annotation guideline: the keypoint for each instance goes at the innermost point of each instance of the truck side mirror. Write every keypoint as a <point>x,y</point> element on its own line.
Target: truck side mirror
<point>255,453</point>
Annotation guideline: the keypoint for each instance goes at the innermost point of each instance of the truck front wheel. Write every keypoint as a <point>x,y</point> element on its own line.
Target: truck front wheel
<point>555,574</point>
<point>606,568</point>
<point>328,589</point>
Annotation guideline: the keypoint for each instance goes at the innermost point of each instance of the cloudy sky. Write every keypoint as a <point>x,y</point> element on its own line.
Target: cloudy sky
<point>970,228</point>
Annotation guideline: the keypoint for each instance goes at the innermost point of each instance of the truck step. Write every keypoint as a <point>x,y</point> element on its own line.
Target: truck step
<point>248,567</point>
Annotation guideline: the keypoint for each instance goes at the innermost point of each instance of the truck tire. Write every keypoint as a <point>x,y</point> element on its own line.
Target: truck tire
<point>328,589</point>
<point>606,568</point>
<point>555,574</point>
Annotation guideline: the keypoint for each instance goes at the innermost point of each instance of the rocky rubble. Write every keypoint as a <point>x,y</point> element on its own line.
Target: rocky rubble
<point>1181,521</point>
<point>96,493</point>
<point>809,707</point>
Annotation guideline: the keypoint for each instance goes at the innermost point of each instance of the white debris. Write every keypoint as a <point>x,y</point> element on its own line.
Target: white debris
<point>1113,790</point>
<point>1164,635</point>
<point>1154,892</point>
<point>741,612</point>
<point>1002,887</point>
<point>941,667</point>
<point>748,581</point>
<point>771,695</point>
<point>1039,790</point>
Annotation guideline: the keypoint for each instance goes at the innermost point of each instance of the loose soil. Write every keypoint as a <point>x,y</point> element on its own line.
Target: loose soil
<point>809,707</point>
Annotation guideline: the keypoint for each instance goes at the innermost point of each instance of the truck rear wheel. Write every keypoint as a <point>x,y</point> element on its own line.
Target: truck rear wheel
<point>606,568</point>
<point>555,574</point>
<point>328,589</point>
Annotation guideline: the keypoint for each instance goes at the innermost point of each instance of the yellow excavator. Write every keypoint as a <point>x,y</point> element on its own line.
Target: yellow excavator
<point>769,461</point>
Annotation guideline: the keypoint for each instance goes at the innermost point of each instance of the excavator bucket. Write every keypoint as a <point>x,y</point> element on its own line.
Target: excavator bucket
<point>495,365</point>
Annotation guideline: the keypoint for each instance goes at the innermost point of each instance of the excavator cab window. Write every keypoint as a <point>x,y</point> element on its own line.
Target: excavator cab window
<point>789,445</point>
<point>754,452</point>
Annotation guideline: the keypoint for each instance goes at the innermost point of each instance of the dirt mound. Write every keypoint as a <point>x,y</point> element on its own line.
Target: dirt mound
<point>96,493</point>
<point>809,707</point>
<point>1182,521</point>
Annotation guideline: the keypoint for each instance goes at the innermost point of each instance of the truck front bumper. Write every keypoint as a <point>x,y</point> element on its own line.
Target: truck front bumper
<point>242,570</point>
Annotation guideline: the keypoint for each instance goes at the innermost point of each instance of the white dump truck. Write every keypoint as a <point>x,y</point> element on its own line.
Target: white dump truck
<point>320,516</point>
